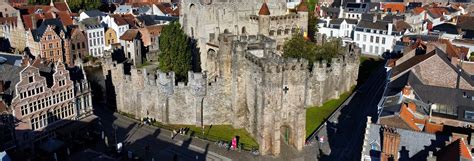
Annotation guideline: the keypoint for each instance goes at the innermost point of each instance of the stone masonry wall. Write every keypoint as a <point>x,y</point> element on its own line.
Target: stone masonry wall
<point>265,94</point>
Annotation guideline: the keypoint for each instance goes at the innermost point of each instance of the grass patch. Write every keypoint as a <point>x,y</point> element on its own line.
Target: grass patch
<point>315,115</point>
<point>222,132</point>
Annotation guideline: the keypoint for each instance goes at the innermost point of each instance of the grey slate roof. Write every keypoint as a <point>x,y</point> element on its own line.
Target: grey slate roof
<point>413,145</point>
<point>340,20</point>
<point>448,28</point>
<point>11,59</point>
<point>150,20</point>
<point>94,13</point>
<point>38,33</point>
<point>91,23</point>
<point>124,9</point>
<point>379,25</point>
<point>10,74</point>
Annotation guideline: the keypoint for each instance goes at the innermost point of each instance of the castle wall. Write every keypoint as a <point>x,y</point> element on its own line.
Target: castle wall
<point>255,89</point>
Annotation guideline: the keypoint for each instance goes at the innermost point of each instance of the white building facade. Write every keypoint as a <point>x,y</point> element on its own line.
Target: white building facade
<point>375,38</point>
<point>96,39</point>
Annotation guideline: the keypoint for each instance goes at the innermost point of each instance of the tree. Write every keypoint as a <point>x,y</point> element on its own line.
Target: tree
<point>298,47</point>
<point>312,4</point>
<point>312,26</point>
<point>176,51</point>
<point>77,5</point>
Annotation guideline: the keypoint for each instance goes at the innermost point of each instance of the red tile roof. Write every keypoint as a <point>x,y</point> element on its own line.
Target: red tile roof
<point>118,19</point>
<point>61,6</point>
<point>457,150</point>
<point>30,9</point>
<point>408,118</point>
<point>394,7</point>
<point>418,10</point>
<point>302,7</point>
<point>129,35</point>
<point>437,11</point>
<point>433,127</point>
<point>29,20</point>
<point>65,18</point>
<point>264,9</point>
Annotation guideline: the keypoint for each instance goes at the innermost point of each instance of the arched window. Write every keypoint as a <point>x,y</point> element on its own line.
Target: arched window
<point>279,31</point>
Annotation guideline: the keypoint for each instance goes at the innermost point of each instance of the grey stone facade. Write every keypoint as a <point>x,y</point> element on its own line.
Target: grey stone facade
<point>250,86</point>
<point>204,20</point>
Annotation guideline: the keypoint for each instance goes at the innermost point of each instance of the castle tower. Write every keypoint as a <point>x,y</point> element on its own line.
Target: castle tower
<point>302,10</point>
<point>264,19</point>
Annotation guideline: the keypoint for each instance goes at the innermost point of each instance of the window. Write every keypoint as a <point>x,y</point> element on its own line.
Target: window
<point>371,48</point>
<point>93,34</point>
<point>372,39</point>
<point>101,33</point>
<point>363,47</point>
<point>376,39</point>
<point>44,46</point>
<point>90,35</point>
<point>30,79</point>
<point>469,115</point>
<point>24,110</point>
<point>49,37</point>
<point>383,40</point>
<point>50,45</point>
<point>376,49</point>
<point>50,53</point>
<point>365,38</point>
<point>73,47</point>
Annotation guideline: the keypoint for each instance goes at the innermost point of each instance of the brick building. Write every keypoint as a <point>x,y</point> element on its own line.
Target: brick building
<point>78,44</point>
<point>50,42</point>
<point>43,97</point>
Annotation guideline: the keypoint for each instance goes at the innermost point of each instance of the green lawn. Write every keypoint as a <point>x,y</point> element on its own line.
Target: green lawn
<point>222,132</point>
<point>316,115</point>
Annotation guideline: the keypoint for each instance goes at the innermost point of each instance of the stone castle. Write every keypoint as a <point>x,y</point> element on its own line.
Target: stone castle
<point>257,90</point>
<point>246,82</point>
<point>204,20</point>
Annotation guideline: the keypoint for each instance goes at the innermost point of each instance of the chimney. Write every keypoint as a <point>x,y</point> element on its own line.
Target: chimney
<point>391,141</point>
<point>374,18</point>
<point>390,28</point>
<point>2,89</point>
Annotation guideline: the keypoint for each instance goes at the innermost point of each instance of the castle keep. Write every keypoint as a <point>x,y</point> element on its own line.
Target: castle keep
<point>253,88</point>
<point>204,20</point>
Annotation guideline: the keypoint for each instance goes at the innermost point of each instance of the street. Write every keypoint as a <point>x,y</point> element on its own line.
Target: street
<point>344,133</point>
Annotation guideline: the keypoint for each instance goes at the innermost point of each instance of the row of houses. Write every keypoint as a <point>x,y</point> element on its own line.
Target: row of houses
<point>377,27</point>
<point>54,33</point>
<point>43,86</point>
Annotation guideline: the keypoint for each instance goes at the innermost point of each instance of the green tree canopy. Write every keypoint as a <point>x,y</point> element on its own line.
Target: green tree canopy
<point>176,51</point>
<point>298,47</point>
